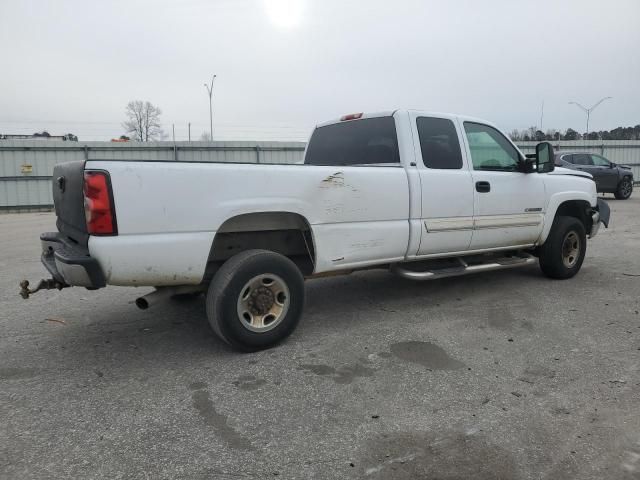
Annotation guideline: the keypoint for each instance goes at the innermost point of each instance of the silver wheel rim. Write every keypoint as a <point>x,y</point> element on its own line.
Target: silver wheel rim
<point>570,249</point>
<point>625,188</point>
<point>263,302</point>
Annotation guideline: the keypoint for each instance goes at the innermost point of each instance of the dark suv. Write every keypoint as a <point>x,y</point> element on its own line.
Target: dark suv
<point>609,177</point>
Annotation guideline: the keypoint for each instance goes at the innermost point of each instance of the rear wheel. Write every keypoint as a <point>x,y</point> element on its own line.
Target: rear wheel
<point>563,252</point>
<point>255,299</point>
<point>625,187</point>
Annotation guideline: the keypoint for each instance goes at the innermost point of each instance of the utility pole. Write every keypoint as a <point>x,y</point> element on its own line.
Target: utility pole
<point>210,92</point>
<point>189,127</point>
<point>541,114</point>
<point>589,110</point>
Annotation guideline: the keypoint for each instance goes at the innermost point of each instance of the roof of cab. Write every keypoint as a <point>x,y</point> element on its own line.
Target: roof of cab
<point>389,113</point>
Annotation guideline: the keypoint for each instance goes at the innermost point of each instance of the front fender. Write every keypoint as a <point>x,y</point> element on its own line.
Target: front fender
<point>558,199</point>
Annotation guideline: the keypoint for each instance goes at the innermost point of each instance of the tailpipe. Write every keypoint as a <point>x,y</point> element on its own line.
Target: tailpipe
<point>163,293</point>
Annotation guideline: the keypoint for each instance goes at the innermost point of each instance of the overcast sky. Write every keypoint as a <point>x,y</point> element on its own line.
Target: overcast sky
<point>284,65</point>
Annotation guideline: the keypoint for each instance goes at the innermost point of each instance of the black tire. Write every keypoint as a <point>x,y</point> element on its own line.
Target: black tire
<point>625,188</point>
<point>230,282</point>
<point>556,259</point>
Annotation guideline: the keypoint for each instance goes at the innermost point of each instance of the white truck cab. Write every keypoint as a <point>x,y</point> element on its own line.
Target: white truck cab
<point>423,194</point>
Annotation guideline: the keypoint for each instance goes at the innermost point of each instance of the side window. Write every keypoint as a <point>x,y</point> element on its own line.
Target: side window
<point>490,150</point>
<point>568,158</point>
<point>439,143</point>
<point>599,161</point>
<point>355,142</point>
<point>582,159</point>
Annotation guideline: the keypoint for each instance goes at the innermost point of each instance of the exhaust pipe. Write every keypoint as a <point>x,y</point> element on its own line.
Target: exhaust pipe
<point>163,293</point>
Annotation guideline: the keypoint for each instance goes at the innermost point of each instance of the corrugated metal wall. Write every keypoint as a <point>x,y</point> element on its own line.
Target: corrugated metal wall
<point>23,188</point>
<point>26,166</point>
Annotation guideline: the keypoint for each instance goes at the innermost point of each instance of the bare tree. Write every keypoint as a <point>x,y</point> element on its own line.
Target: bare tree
<point>143,121</point>
<point>205,137</point>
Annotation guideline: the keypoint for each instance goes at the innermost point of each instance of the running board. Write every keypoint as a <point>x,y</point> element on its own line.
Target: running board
<point>499,263</point>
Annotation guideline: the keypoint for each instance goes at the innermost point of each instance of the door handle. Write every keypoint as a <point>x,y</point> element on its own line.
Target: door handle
<point>483,187</point>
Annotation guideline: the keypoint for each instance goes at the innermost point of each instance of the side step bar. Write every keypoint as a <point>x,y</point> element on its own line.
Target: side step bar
<point>499,263</point>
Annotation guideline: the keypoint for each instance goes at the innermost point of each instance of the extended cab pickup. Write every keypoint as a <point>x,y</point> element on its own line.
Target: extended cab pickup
<point>426,195</point>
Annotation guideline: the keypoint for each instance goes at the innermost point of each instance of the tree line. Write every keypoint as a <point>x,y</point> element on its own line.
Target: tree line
<point>535,135</point>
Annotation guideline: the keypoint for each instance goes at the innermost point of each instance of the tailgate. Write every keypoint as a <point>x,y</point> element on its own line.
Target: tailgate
<point>68,197</point>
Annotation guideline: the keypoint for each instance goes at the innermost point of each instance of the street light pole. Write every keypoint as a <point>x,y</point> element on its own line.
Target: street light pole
<point>589,110</point>
<point>210,92</point>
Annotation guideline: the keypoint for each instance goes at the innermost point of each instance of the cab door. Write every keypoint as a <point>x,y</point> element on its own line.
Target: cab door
<point>446,187</point>
<point>508,204</point>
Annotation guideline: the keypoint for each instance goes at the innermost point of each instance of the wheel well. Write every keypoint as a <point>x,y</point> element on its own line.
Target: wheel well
<point>576,208</point>
<point>286,233</point>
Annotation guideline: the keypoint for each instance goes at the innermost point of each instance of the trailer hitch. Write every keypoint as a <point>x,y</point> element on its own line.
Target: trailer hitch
<point>44,284</point>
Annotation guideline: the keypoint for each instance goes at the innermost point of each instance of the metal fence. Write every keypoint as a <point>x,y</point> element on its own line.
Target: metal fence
<point>26,166</point>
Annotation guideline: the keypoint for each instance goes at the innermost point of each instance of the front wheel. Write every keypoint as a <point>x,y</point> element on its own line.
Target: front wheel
<point>625,187</point>
<point>563,252</point>
<point>255,299</point>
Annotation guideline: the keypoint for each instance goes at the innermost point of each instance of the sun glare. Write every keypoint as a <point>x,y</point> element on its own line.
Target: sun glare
<point>284,13</point>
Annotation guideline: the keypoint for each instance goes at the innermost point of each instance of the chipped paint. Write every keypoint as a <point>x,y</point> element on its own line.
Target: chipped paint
<point>335,180</point>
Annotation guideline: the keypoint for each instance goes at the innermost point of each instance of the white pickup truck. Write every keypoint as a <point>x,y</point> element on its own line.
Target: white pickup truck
<point>425,195</point>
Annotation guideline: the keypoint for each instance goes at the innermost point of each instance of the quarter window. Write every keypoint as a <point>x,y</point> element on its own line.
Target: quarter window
<point>356,142</point>
<point>490,150</point>
<point>439,143</point>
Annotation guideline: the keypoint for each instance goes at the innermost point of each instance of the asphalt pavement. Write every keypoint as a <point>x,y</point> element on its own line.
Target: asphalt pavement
<point>501,375</point>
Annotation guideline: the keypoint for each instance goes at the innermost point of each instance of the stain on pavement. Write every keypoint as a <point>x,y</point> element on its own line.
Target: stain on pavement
<point>426,354</point>
<point>211,417</point>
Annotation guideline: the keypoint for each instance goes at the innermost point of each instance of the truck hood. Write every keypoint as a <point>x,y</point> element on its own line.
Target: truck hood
<point>567,171</point>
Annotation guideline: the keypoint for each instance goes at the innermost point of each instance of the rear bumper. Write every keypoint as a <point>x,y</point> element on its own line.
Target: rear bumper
<point>69,263</point>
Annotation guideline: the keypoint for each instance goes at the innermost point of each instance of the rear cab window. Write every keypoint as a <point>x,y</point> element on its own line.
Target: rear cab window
<point>439,143</point>
<point>368,141</point>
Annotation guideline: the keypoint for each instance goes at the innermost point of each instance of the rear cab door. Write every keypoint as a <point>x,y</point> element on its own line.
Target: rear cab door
<point>445,184</point>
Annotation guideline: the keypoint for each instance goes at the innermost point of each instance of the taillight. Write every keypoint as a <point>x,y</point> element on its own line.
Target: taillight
<point>98,205</point>
<point>351,116</point>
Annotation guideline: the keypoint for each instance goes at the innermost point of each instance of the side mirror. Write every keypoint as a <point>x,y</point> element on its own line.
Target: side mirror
<point>612,165</point>
<point>544,158</point>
